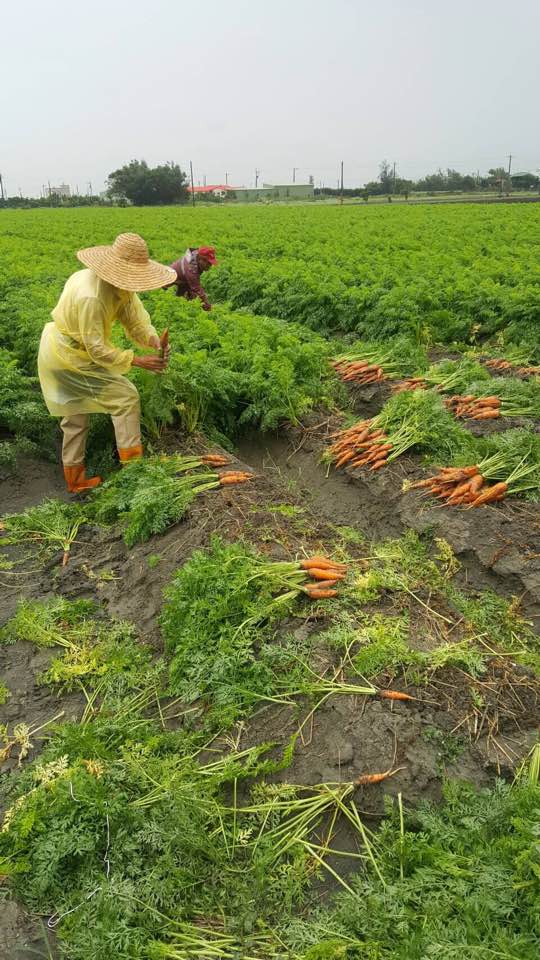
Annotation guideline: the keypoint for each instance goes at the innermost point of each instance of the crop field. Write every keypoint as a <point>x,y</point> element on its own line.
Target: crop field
<point>273,691</point>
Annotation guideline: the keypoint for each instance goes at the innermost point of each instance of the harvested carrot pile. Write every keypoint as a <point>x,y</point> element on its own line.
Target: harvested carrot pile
<point>506,366</point>
<point>513,468</point>
<point>317,577</point>
<point>499,365</point>
<point>359,446</point>
<point>326,574</point>
<point>469,407</point>
<point>359,371</point>
<point>461,486</point>
<point>411,383</point>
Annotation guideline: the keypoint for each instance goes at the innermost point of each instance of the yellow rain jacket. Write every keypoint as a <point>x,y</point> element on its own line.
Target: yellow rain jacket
<point>79,368</point>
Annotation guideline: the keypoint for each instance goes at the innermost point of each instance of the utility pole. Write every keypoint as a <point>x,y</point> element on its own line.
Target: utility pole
<point>192,184</point>
<point>257,173</point>
<point>294,169</point>
<point>226,179</point>
<point>50,195</point>
<point>90,188</point>
<point>341,182</point>
<point>204,180</point>
<point>509,170</point>
<point>394,178</point>
<point>2,188</point>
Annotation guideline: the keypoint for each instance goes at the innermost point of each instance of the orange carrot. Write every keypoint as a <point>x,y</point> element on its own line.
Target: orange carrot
<point>367,778</point>
<point>321,594</point>
<point>322,562</point>
<point>491,401</point>
<point>344,458</point>
<point>326,574</point>
<point>460,490</point>
<point>421,484</point>
<point>395,695</point>
<point>477,483</point>
<point>496,492</point>
<point>228,480</point>
<point>489,414</point>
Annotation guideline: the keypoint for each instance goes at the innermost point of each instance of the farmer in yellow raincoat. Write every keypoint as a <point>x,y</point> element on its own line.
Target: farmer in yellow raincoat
<point>80,370</point>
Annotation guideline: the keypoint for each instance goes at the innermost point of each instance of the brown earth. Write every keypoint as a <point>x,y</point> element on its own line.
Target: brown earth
<point>297,506</point>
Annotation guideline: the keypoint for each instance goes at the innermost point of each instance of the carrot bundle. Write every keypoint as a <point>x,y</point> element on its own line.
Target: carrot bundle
<point>360,371</point>
<point>474,408</point>
<point>499,365</point>
<point>512,470</point>
<point>326,574</point>
<point>506,366</point>
<point>316,577</point>
<point>359,446</point>
<point>411,383</point>
<point>457,487</point>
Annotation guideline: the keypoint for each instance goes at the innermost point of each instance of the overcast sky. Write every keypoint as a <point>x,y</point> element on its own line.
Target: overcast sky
<point>243,84</point>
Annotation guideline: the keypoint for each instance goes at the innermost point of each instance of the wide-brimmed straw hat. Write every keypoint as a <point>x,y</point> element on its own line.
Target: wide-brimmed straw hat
<point>126,264</point>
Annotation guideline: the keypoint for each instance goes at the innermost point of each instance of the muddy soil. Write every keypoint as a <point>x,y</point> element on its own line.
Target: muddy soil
<point>498,546</point>
<point>295,505</point>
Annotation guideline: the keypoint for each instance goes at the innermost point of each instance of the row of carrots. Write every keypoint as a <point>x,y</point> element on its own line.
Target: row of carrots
<point>467,406</point>
<point>360,446</point>
<point>461,486</point>
<point>359,371</point>
<point>505,366</point>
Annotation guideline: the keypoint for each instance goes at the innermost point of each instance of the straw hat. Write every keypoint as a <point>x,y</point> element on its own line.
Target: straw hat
<point>126,264</point>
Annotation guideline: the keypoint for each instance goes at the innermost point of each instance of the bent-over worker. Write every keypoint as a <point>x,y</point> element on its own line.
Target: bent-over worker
<point>80,370</point>
<point>188,269</point>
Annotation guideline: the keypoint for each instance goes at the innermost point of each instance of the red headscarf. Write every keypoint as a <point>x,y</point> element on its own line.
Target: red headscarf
<point>209,254</point>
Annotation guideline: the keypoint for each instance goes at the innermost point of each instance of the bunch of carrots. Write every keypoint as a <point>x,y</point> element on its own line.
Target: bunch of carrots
<point>326,575</point>
<point>469,407</point>
<point>499,365</point>
<point>359,446</point>
<point>216,460</point>
<point>506,366</point>
<point>470,486</point>
<point>461,486</point>
<point>359,371</point>
<point>317,577</point>
<point>411,383</point>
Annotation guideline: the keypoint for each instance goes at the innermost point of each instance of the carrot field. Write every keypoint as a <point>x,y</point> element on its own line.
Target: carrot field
<point>273,691</point>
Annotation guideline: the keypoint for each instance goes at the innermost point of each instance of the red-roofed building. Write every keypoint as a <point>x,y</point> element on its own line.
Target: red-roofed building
<point>217,189</point>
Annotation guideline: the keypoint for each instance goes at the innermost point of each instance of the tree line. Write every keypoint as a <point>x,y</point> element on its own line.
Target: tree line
<point>138,183</point>
<point>442,181</point>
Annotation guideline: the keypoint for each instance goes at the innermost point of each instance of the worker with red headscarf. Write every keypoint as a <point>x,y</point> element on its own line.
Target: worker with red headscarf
<point>188,268</point>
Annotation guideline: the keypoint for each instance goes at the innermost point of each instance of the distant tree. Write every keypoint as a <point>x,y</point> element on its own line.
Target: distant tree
<point>147,186</point>
<point>525,181</point>
<point>385,176</point>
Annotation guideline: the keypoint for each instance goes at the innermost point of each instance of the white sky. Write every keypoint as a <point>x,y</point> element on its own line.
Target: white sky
<point>242,84</point>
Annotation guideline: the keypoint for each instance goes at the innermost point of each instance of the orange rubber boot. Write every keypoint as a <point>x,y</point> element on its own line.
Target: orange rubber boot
<point>130,453</point>
<point>76,479</point>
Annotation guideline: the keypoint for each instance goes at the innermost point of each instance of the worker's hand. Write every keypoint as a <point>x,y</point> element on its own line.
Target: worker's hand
<point>207,306</point>
<point>151,363</point>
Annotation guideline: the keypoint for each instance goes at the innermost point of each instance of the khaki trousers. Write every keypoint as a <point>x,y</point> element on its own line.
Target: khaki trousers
<point>127,429</point>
